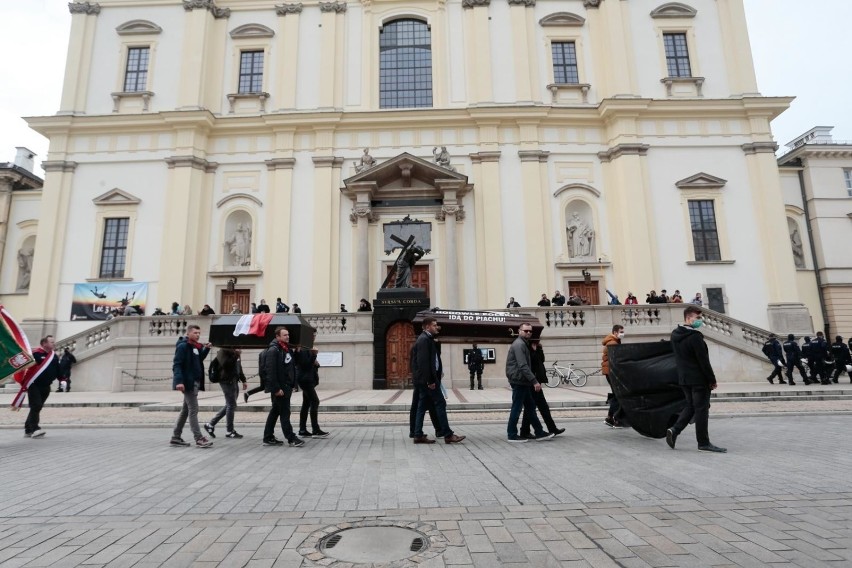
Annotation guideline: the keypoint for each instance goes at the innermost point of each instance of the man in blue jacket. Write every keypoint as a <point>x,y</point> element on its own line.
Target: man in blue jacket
<point>696,378</point>
<point>188,372</point>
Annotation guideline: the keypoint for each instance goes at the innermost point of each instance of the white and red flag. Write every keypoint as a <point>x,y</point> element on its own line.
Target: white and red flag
<point>253,324</point>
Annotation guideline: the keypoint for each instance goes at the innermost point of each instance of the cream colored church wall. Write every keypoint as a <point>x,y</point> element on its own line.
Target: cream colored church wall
<point>308,72</point>
<point>24,213</point>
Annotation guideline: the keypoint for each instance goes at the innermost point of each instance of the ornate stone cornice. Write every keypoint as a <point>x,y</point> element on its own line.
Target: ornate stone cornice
<point>533,156</point>
<point>90,8</point>
<point>327,161</point>
<point>479,157</point>
<point>336,7</point>
<point>59,166</point>
<point>528,3</point>
<point>475,3</point>
<point>623,150</point>
<point>284,9</point>
<point>209,5</point>
<point>280,164</point>
<point>191,162</point>
<point>592,3</point>
<point>760,148</point>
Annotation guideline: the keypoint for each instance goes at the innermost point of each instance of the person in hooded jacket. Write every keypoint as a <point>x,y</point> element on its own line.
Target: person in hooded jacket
<point>188,373</point>
<point>696,378</point>
<point>842,357</point>
<point>773,350</point>
<point>794,359</point>
<point>613,417</point>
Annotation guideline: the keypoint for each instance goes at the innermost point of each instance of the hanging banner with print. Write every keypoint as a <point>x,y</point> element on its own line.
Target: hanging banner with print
<point>96,300</point>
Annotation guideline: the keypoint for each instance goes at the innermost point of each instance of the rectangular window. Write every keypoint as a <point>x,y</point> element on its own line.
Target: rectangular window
<point>847,175</point>
<point>705,238</point>
<point>677,55</point>
<point>114,250</point>
<point>136,74</point>
<point>565,63</point>
<point>251,72</point>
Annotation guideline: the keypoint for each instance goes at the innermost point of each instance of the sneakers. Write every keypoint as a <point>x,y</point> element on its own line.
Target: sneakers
<point>233,434</point>
<point>712,448</point>
<point>296,443</point>
<point>39,433</point>
<point>517,440</point>
<point>558,431</point>
<point>178,441</point>
<point>612,422</point>
<point>671,437</point>
<point>544,436</point>
<point>27,435</point>
<point>305,434</point>
<point>272,442</point>
<point>320,434</point>
<point>210,429</point>
<point>203,442</point>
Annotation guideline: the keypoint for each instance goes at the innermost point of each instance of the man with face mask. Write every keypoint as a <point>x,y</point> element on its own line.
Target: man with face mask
<point>613,416</point>
<point>696,378</point>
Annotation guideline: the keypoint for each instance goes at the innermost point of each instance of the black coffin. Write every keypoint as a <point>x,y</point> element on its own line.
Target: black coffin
<point>459,326</point>
<point>222,332</point>
<point>643,377</point>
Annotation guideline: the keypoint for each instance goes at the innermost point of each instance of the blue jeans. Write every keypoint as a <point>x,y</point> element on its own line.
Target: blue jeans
<point>427,395</point>
<point>522,399</point>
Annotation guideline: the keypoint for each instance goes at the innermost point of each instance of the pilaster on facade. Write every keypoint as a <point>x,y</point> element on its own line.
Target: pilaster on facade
<point>280,164</point>
<point>480,157</point>
<point>58,166</point>
<point>88,8</point>
<point>208,5</point>
<point>760,148</point>
<point>623,150</point>
<point>533,156</point>
<point>327,161</point>
<point>191,162</point>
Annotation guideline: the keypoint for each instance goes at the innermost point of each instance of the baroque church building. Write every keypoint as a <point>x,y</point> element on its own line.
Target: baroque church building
<point>220,152</point>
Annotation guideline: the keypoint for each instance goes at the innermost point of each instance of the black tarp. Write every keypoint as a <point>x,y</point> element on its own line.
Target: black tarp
<point>644,379</point>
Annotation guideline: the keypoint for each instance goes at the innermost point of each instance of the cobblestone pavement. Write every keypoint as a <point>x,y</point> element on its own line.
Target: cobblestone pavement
<point>782,496</point>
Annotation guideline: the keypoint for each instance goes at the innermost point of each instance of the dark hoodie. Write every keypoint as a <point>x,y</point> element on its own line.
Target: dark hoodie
<point>692,357</point>
<point>280,368</point>
<point>188,365</point>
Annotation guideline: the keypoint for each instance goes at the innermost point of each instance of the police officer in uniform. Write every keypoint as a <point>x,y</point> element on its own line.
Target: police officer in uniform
<point>842,357</point>
<point>772,349</point>
<point>794,359</point>
<point>820,346</point>
<point>475,364</point>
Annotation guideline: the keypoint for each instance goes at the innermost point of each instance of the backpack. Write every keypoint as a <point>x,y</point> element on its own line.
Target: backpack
<point>261,367</point>
<point>767,349</point>
<point>214,373</point>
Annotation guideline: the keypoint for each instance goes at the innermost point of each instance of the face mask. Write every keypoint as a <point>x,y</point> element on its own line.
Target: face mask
<point>697,323</point>
<point>621,335</point>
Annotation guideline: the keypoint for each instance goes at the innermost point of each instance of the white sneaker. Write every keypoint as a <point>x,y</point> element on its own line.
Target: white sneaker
<point>39,433</point>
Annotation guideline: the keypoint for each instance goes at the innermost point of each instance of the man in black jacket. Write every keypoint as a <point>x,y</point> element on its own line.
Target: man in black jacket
<point>773,351</point>
<point>523,382</point>
<point>840,354</point>
<point>307,376</point>
<point>427,370</point>
<point>279,381</point>
<point>794,359</point>
<point>696,378</point>
<point>45,371</point>
<point>188,373</point>
<point>475,364</point>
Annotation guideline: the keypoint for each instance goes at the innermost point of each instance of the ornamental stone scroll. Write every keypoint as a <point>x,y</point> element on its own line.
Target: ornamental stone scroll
<point>89,8</point>
<point>284,9</point>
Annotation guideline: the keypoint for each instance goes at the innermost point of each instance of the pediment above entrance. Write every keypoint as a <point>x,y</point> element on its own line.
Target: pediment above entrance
<point>701,181</point>
<point>405,176</point>
<point>116,196</point>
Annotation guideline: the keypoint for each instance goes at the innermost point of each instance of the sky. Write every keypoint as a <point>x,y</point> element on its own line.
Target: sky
<point>797,51</point>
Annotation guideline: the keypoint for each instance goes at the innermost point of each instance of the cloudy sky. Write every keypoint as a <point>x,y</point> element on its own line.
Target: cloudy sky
<point>800,49</point>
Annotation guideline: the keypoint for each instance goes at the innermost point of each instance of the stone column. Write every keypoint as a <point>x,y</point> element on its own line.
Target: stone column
<point>612,47</point>
<point>536,221</point>
<point>523,46</point>
<point>80,49</point>
<point>450,213</point>
<point>276,265</point>
<point>326,226</point>
<point>199,66</point>
<point>361,217</point>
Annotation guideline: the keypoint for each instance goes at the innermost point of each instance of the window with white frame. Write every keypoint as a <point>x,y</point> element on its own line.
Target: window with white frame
<point>705,236</point>
<point>565,69</point>
<point>405,65</point>
<point>847,176</point>
<point>251,72</point>
<point>136,71</point>
<point>114,247</point>
<point>677,55</point>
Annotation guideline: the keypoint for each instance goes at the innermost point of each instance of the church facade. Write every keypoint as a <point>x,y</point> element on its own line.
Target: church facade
<point>223,152</point>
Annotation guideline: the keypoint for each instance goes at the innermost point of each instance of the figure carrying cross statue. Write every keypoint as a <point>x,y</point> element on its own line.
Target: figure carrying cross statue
<point>408,257</point>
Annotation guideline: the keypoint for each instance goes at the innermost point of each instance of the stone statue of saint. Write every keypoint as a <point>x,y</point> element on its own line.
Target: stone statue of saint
<point>580,237</point>
<point>442,158</point>
<point>367,162</point>
<point>405,263</point>
<point>239,245</point>
<point>798,249</point>
<point>25,268</point>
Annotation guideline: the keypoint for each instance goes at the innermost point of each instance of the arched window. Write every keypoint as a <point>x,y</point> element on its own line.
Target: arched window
<point>405,65</point>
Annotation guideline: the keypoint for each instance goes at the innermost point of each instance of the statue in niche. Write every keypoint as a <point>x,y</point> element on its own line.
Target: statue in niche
<point>798,249</point>
<point>442,157</point>
<point>580,237</point>
<point>239,245</point>
<point>367,162</point>
<point>405,263</point>
<point>25,268</point>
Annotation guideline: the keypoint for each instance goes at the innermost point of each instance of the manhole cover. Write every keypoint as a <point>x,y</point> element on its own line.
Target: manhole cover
<point>373,544</point>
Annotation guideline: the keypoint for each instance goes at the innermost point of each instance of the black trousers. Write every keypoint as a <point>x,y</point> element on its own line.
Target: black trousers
<point>478,376</point>
<point>412,417</point>
<point>776,371</point>
<point>791,363</point>
<point>839,370</point>
<point>36,397</point>
<point>614,406</point>
<point>280,411</point>
<point>435,398</point>
<point>310,405</point>
<point>698,407</point>
<point>543,409</point>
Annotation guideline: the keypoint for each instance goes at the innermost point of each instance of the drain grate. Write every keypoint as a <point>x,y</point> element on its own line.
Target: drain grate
<point>417,545</point>
<point>378,544</point>
<point>332,542</point>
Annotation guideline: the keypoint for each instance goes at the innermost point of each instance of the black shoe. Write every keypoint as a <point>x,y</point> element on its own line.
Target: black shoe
<point>245,397</point>
<point>320,434</point>
<point>770,380</point>
<point>543,436</point>
<point>807,382</point>
<point>305,434</point>
<point>480,387</point>
<point>233,434</point>
<point>712,448</point>
<point>835,381</point>
<point>178,441</point>
<point>557,431</point>
<point>671,438</point>
<point>471,388</point>
<point>210,429</point>
<point>517,440</point>
<point>296,443</point>
<point>272,442</point>
<point>781,382</point>
<point>791,383</point>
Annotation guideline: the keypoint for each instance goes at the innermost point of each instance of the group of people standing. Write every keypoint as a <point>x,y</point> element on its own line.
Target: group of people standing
<point>825,362</point>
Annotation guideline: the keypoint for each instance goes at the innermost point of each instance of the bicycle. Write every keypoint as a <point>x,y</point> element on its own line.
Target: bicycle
<point>557,375</point>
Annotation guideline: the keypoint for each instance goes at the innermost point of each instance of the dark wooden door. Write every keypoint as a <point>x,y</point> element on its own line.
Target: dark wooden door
<point>239,297</point>
<point>398,342</point>
<point>589,291</point>
<point>419,277</point>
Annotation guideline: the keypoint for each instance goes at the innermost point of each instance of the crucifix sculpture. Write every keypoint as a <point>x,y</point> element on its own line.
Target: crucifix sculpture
<point>408,257</point>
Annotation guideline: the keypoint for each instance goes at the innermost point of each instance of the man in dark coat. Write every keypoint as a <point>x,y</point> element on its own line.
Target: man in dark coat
<point>475,365</point>
<point>427,370</point>
<point>794,359</point>
<point>45,371</point>
<point>188,378</point>
<point>775,353</point>
<point>537,358</point>
<point>65,363</point>
<point>840,353</point>
<point>696,378</point>
<point>279,381</point>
